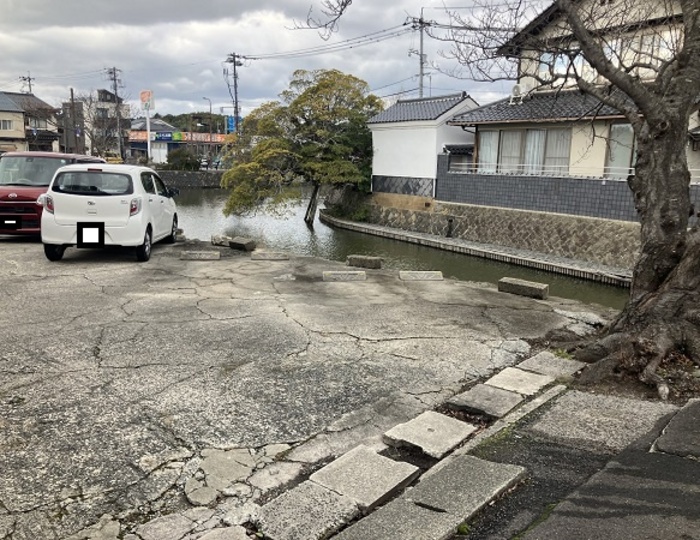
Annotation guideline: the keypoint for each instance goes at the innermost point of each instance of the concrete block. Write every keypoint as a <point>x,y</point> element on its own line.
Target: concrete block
<point>439,504</point>
<point>347,275</point>
<point>521,287</point>
<point>415,275</point>
<point>365,261</point>
<point>485,399</point>
<point>434,433</point>
<point>599,422</point>
<point>242,244</point>
<point>546,363</point>
<point>366,477</point>
<point>220,240</point>
<point>682,435</point>
<point>268,256</point>
<point>307,512</point>
<point>200,255</point>
<point>522,382</point>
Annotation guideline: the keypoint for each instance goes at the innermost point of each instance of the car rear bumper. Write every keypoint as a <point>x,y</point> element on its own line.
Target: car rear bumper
<point>67,235</point>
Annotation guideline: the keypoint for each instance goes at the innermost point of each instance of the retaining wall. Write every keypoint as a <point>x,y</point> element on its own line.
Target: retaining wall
<point>609,242</point>
<point>191,179</point>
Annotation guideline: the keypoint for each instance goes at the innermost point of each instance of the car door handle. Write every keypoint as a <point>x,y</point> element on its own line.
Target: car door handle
<point>150,200</point>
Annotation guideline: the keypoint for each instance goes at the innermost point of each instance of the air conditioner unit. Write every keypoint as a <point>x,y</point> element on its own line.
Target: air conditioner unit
<point>516,94</point>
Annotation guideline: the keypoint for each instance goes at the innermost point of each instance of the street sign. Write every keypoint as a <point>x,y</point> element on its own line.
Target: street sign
<point>147,99</point>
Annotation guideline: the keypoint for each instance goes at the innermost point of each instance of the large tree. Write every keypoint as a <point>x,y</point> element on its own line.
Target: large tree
<point>317,133</point>
<point>643,58</point>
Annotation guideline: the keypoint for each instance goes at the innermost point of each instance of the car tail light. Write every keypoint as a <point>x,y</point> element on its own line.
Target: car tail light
<point>134,207</point>
<point>48,204</point>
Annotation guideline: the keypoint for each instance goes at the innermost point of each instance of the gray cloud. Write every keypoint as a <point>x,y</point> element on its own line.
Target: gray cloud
<point>178,49</point>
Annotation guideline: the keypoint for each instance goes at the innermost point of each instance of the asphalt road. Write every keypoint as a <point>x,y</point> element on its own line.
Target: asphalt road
<point>117,376</point>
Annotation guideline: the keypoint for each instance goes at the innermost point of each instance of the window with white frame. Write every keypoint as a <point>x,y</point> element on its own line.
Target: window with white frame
<point>38,123</point>
<point>488,151</point>
<point>5,125</point>
<point>543,151</point>
<point>621,152</point>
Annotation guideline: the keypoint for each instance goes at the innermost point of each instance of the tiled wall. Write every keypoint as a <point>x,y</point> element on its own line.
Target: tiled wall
<point>590,197</point>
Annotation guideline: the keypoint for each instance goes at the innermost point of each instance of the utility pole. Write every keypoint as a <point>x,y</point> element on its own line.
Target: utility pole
<point>234,59</point>
<point>76,148</point>
<point>28,79</point>
<point>420,24</point>
<point>113,74</point>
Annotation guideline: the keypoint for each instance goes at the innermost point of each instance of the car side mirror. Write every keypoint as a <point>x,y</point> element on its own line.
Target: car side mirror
<point>173,192</point>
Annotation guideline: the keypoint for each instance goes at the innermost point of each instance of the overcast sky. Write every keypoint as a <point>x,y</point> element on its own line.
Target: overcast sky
<point>178,48</point>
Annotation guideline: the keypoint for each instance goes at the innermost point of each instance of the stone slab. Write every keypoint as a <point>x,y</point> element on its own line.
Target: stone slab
<point>599,422</point>
<point>521,287</point>
<point>546,363</point>
<point>200,255</point>
<point>415,275</point>
<point>434,433</point>
<point>485,399</point>
<point>365,261</point>
<point>522,382</point>
<point>220,240</point>
<point>366,477</point>
<point>439,504</point>
<point>242,244</point>
<point>347,275</point>
<point>307,512</point>
<point>682,435</point>
<point>268,256</point>
<point>227,533</point>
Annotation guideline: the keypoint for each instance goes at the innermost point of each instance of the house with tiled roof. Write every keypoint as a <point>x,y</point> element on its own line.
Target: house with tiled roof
<point>39,124</point>
<point>11,125</point>
<point>407,138</point>
<point>548,126</point>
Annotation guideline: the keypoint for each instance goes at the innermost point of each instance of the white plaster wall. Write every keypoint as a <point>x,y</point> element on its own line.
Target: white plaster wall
<point>411,149</point>
<point>405,151</point>
<point>588,149</point>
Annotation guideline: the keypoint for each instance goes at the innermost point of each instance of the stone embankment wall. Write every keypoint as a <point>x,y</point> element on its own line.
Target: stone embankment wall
<point>192,179</point>
<point>614,243</point>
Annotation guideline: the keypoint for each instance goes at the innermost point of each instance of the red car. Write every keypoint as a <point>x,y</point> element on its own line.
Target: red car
<point>23,177</point>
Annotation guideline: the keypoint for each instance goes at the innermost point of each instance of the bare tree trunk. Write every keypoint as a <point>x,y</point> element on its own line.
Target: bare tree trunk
<point>311,209</point>
<point>663,314</point>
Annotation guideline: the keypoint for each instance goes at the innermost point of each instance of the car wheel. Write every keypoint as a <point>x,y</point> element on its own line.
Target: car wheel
<point>143,252</point>
<point>54,252</point>
<point>173,232</point>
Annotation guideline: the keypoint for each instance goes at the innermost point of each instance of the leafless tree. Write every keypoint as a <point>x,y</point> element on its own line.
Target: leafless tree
<point>99,128</point>
<point>641,57</point>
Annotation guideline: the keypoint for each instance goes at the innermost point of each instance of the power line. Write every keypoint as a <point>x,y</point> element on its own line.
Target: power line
<point>360,41</point>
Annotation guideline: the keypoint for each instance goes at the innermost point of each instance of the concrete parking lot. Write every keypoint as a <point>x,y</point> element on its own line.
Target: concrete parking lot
<point>120,379</point>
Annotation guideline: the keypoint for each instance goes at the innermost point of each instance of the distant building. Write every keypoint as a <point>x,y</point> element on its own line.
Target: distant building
<point>28,123</point>
<point>166,138</point>
<point>97,124</point>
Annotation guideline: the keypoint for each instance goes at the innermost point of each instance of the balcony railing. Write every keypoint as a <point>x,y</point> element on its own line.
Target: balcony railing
<point>526,169</point>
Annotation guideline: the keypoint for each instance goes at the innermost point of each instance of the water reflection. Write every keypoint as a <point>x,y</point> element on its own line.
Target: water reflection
<point>201,216</point>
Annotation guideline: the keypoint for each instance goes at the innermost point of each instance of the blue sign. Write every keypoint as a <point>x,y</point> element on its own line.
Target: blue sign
<point>164,136</point>
<point>231,123</point>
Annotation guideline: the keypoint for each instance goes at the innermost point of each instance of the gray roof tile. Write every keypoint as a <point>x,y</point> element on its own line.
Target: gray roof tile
<point>7,105</point>
<point>539,106</point>
<point>412,110</point>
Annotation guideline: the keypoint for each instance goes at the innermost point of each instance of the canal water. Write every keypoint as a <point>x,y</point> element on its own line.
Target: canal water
<point>201,216</point>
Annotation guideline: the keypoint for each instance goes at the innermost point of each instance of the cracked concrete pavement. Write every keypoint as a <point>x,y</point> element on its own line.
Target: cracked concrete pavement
<point>188,391</point>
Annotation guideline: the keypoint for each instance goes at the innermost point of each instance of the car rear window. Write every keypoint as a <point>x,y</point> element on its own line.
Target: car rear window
<point>93,183</point>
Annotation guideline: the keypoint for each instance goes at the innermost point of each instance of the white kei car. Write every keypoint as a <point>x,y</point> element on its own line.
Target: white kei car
<point>100,204</point>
